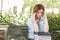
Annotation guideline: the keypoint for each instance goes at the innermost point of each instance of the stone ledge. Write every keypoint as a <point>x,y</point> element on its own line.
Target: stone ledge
<point>42,37</point>
<point>4,27</point>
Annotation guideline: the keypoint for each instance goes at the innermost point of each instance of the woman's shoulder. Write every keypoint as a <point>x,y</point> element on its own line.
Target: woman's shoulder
<point>30,18</point>
<point>29,22</point>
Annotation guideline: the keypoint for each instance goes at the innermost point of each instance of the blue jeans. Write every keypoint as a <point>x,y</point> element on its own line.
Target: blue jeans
<point>30,39</point>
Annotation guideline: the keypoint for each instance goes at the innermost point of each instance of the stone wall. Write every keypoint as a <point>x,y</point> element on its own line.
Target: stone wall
<point>3,32</point>
<point>16,32</point>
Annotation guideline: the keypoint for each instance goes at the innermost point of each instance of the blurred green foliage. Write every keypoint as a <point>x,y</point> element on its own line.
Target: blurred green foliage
<point>54,25</point>
<point>54,22</point>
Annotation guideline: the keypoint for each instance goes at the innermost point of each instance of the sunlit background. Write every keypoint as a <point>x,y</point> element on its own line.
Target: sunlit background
<point>20,10</point>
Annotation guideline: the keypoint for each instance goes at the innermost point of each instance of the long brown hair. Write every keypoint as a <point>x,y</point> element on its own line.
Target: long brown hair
<point>38,7</point>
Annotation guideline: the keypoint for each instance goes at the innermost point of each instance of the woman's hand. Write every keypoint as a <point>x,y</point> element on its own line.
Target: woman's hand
<point>33,18</point>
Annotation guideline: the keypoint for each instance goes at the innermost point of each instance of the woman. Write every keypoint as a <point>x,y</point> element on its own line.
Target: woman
<point>38,21</point>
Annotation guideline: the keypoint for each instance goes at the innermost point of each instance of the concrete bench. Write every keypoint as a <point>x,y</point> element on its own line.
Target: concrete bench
<point>42,36</point>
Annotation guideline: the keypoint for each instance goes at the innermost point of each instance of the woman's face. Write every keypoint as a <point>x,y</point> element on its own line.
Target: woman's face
<point>39,13</point>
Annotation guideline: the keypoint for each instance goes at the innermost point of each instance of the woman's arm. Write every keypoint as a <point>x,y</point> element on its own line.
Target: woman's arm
<point>34,23</point>
<point>46,26</point>
<point>35,27</point>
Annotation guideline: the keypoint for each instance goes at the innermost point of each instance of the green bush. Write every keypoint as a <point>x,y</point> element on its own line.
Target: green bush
<point>5,19</point>
<point>54,22</point>
<point>54,25</point>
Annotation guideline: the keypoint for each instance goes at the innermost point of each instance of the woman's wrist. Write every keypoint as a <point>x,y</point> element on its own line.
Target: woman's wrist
<point>34,22</point>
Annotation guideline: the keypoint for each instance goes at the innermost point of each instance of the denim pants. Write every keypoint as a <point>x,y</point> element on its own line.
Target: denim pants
<point>30,39</point>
